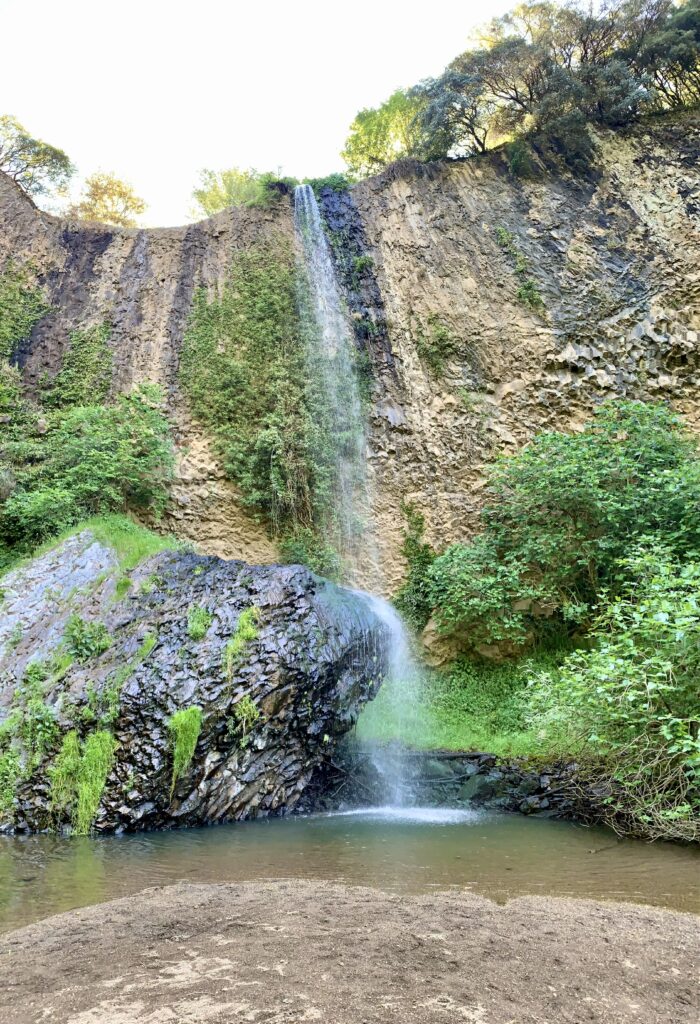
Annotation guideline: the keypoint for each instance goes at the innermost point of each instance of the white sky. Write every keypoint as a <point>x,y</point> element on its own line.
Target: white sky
<point>154,90</point>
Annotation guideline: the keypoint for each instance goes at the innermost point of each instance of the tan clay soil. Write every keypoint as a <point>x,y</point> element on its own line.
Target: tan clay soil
<point>291,951</point>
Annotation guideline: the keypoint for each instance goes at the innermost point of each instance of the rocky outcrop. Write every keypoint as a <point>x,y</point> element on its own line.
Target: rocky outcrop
<point>445,778</point>
<point>433,259</point>
<point>313,653</point>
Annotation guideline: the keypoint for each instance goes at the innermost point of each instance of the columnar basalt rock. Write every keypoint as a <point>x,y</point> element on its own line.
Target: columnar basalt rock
<point>316,655</point>
<point>435,256</point>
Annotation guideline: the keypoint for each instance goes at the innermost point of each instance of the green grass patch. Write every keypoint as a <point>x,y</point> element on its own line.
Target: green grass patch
<point>131,542</point>
<point>469,706</point>
<point>183,732</point>
<point>78,777</point>
<point>198,622</point>
<point>95,764</point>
<point>245,632</point>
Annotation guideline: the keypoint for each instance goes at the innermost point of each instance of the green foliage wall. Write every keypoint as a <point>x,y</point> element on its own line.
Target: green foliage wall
<point>22,305</point>
<point>245,370</point>
<point>560,515</point>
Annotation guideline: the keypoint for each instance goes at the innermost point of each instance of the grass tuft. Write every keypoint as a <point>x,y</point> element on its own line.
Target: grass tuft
<point>183,728</point>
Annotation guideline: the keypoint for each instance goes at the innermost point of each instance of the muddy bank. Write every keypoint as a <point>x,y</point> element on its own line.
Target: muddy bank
<point>291,951</point>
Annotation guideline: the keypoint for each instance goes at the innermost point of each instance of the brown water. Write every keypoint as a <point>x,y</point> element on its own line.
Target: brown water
<point>415,851</point>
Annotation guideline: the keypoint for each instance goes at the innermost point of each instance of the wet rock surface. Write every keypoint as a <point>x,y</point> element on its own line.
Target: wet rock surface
<point>317,655</point>
<point>439,778</point>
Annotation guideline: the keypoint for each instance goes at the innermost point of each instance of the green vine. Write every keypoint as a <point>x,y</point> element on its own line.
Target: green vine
<point>22,305</point>
<point>86,373</point>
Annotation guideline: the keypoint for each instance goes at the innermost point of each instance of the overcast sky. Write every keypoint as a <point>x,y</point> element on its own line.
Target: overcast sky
<point>154,90</point>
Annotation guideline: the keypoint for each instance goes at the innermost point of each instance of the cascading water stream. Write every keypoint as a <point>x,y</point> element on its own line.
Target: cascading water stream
<point>333,355</point>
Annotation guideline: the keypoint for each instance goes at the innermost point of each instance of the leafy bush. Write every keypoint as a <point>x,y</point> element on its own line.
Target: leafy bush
<point>632,700</point>
<point>306,547</point>
<point>561,513</point>
<point>86,460</point>
<point>32,516</point>
<point>86,640</point>
<point>112,457</point>
<point>183,731</point>
<point>335,182</point>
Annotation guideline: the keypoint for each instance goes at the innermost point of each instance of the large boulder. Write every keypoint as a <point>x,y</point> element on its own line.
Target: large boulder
<point>277,661</point>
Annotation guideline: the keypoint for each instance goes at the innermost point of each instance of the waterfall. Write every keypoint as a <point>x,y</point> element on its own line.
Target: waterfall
<point>333,357</point>
<point>332,354</point>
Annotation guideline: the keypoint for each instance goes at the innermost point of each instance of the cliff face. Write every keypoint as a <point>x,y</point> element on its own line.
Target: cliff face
<point>501,305</point>
<point>617,264</point>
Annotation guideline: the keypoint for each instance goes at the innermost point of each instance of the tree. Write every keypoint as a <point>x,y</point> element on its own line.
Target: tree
<point>107,199</point>
<point>381,135</point>
<point>219,190</point>
<point>37,167</point>
<point>541,75</point>
<point>454,115</point>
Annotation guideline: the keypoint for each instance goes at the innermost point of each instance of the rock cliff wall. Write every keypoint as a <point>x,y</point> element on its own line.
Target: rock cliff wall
<point>498,306</point>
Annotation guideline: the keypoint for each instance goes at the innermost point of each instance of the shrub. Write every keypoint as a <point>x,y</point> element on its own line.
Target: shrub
<point>435,344</point>
<point>413,599</point>
<point>632,700</point>
<point>561,513</point>
<point>113,457</point>
<point>245,716</point>
<point>22,305</point>
<point>248,373</point>
<point>86,640</point>
<point>10,774</point>
<point>91,459</point>
<point>334,182</point>
<point>306,547</point>
<point>198,622</point>
<point>183,730</point>
<point>34,516</point>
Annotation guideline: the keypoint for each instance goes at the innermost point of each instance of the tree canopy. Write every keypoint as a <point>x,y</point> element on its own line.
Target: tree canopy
<point>107,199</point>
<point>37,167</point>
<point>383,134</point>
<point>218,190</point>
<point>544,71</point>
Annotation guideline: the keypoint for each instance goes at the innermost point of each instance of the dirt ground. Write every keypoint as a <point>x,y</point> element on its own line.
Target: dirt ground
<point>290,951</point>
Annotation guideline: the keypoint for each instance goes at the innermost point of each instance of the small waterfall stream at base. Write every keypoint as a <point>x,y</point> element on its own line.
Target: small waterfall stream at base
<point>335,356</point>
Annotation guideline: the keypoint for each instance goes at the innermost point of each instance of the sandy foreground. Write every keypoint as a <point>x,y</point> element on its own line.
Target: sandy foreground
<point>292,951</point>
